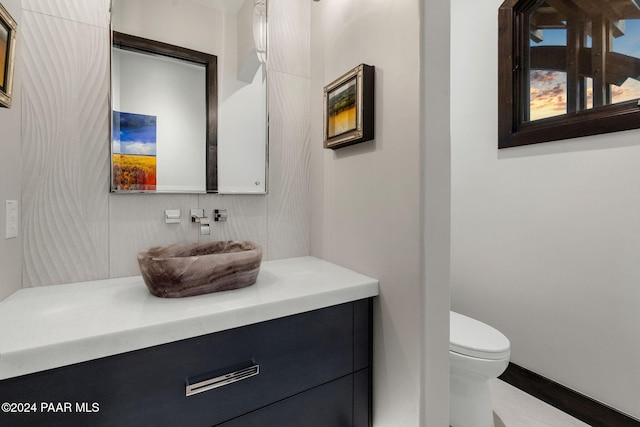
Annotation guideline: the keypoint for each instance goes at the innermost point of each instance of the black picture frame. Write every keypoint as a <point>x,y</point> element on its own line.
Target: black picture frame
<point>8,28</point>
<point>349,116</point>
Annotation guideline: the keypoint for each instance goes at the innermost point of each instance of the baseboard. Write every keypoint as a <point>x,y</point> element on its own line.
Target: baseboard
<point>573,403</point>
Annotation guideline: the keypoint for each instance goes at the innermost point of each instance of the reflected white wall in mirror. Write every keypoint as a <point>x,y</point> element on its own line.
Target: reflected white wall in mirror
<point>221,28</point>
<point>167,137</point>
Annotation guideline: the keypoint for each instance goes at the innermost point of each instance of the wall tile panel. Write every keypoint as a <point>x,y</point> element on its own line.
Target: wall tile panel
<point>65,150</point>
<point>137,223</point>
<point>93,12</point>
<point>289,221</point>
<point>247,218</point>
<point>289,36</point>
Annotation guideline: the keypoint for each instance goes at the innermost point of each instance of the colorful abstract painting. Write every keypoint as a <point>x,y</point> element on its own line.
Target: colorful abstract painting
<point>134,152</point>
<point>342,109</point>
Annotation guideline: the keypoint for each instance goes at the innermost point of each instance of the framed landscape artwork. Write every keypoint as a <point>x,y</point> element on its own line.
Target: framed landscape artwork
<point>134,152</point>
<point>8,27</point>
<point>349,108</point>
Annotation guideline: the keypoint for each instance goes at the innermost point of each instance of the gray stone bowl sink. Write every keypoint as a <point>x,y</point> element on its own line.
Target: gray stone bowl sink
<point>188,269</point>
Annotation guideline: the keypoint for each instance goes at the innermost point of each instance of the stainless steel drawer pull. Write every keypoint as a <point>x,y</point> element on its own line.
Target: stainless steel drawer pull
<point>222,380</point>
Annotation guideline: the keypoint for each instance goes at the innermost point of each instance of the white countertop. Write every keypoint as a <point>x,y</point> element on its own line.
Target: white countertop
<point>52,326</point>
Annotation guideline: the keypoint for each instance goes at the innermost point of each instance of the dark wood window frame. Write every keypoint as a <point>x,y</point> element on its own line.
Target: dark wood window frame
<point>512,131</point>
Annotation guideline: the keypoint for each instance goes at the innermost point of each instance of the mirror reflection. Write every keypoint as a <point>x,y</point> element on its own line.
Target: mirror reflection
<point>234,32</point>
<point>164,117</point>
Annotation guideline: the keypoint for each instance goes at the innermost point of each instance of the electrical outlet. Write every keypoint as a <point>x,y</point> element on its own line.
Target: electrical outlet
<point>11,230</point>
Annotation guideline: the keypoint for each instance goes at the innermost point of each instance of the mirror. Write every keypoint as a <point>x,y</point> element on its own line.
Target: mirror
<point>228,149</point>
<point>164,110</point>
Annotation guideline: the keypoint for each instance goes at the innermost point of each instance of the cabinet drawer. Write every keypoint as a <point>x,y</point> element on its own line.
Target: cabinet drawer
<point>340,403</point>
<point>327,405</point>
<point>147,387</point>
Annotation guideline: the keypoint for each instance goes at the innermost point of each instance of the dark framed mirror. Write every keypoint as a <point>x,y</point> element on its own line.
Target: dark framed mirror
<point>164,102</point>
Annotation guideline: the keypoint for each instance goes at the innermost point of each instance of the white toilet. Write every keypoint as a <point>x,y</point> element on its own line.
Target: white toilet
<point>477,353</point>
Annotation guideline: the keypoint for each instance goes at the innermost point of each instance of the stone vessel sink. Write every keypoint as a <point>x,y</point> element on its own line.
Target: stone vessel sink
<point>187,269</point>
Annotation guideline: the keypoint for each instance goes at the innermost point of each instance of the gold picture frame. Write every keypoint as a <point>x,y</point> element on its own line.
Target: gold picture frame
<point>349,108</point>
<point>8,27</point>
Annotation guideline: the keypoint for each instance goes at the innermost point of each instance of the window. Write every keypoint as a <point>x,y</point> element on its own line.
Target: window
<point>567,68</point>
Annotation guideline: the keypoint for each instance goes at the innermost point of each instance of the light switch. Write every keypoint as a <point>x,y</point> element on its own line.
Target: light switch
<point>11,230</point>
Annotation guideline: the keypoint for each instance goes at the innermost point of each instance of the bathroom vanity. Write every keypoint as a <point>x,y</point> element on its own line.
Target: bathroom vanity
<point>293,349</point>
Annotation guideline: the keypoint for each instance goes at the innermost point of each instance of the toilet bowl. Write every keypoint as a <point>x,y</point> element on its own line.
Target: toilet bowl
<point>477,354</point>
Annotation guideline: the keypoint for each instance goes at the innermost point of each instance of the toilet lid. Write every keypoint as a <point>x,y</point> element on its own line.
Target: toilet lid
<point>473,338</point>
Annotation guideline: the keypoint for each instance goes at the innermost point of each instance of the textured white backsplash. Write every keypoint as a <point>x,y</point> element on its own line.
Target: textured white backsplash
<point>65,150</point>
<point>74,229</point>
<point>92,12</point>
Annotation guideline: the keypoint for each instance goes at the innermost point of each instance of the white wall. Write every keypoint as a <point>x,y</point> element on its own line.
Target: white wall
<point>366,198</point>
<point>545,238</point>
<point>435,214</point>
<point>11,170</point>
<point>74,230</point>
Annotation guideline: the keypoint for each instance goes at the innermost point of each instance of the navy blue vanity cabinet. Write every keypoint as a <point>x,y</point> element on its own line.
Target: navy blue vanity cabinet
<point>309,369</point>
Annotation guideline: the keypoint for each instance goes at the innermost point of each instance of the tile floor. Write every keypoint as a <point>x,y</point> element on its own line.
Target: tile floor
<point>514,408</point>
